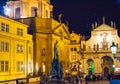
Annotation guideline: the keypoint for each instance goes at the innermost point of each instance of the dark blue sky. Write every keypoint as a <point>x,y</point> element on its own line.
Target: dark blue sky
<point>82,13</point>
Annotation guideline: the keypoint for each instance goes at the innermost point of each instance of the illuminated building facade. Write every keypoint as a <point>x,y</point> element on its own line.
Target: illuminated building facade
<point>74,53</point>
<point>45,30</point>
<point>28,8</point>
<point>98,58</point>
<point>16,50</point>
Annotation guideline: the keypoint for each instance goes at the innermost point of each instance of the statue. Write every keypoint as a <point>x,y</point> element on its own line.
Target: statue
<point>56,71</point>
<point>55,50</point>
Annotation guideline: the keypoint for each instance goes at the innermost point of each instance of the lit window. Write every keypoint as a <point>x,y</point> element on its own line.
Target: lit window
<point>19,48</point>
<point>19,66</point>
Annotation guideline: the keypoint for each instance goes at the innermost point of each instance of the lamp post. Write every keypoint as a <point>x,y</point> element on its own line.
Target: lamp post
<point>114,49</point>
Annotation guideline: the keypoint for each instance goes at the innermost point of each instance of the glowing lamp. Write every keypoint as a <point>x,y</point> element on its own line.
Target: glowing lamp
<point>7,11</point>
<point>113,48</point>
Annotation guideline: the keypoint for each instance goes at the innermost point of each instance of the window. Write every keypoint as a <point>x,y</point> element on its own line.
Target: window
<point>17,12</point>
<point>19,48</point>
<point>19,32</point>
<point>19,66</point>
<point>71,49</point>
<point>7,28</point>
<point>4,66</point>
<point>75,49</point>
<point>4,46</point>
<point>2,27</point>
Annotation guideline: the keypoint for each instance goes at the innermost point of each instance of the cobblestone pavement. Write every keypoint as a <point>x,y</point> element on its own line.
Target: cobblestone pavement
<point>91,82</point>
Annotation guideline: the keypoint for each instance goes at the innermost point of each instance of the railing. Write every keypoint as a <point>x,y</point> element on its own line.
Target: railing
<point>21,80</point>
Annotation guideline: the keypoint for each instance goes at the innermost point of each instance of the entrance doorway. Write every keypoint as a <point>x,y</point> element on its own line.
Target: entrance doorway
<point>107,66</point>
<point>106,71</point>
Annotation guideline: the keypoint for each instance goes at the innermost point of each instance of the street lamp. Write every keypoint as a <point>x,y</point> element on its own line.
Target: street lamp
<point>113,49</point>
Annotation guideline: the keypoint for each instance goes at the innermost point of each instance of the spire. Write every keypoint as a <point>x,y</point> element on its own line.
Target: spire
<point>103,20</point>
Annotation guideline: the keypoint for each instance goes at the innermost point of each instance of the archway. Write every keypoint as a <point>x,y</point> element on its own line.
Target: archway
<point>107,65</point>
<point>90,66</point>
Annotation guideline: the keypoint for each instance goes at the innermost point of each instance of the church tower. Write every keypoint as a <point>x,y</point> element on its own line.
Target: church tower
<point>28,8</point>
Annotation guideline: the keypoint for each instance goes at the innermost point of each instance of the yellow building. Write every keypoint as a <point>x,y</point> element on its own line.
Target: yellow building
<point>98,58</point>
<point>16,54</point>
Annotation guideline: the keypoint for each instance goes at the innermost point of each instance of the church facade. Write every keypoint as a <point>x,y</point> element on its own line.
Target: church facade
<point>98,58</point>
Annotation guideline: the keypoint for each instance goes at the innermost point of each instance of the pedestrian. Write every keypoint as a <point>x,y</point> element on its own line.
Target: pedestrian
<point>77,79</point>
<point>80,81</point>
<point>86,79</point>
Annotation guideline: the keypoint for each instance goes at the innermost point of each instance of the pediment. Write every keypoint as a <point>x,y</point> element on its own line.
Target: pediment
<point>61,30</point>
<point>104,27</point>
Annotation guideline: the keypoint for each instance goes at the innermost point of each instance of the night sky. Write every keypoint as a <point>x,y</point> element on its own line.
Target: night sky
<point>82,13</point>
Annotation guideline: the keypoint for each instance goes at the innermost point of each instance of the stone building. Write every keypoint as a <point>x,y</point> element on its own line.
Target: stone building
<point>98,58</point>
<point>45,30</point>
<point>74,53</point>
<point>16,50</point>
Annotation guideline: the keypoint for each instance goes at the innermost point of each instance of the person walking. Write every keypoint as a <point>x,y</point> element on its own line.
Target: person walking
<point>77,80</point>
<point>86,79</point>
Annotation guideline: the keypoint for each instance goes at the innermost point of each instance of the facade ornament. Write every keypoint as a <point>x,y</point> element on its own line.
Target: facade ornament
<point>60,18</point>
<point>95,24</point>
<point>93,27</point>
<point>112,24</point>
<point>103,20</point>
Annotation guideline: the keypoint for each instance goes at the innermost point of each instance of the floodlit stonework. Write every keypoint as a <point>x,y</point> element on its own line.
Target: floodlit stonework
<point>16,50</point>
<point>97,50</point>
<point>78,56</point>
